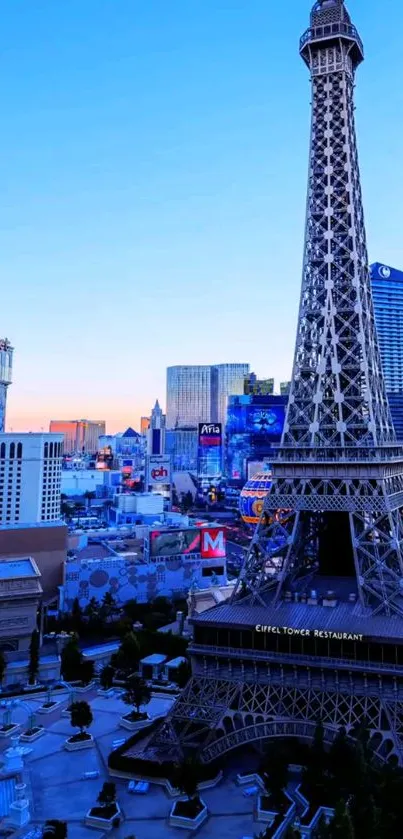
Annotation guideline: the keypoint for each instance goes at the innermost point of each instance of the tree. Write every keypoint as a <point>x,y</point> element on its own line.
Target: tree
<point>54,829</point>
<point>137,693</point>
<point>33,666</point>
<point>109,608</point>
<point>275,773</point>
<point>106,677</point>
<point>76,615</point>
<point>86,671</point>
<point>80,715</point>
<point>322,829</point>
<point>128,654</point>
<point>71,660</point>
<point>341,764</point>
<point>107,794</point>
<point>341,827</point>
<point>315,776</point>
<point>187,776</point>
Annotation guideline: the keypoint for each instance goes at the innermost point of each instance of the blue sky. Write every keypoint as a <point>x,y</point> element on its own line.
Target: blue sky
<point>153,167</point>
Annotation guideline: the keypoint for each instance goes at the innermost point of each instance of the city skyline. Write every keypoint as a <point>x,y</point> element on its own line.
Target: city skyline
<point>141,156</point>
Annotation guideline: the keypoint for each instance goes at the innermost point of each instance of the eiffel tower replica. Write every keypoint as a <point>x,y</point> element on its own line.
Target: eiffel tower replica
<point>314,629</point>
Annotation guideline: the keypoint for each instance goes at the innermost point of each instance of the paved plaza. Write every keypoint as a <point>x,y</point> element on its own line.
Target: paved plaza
<point>59,792</point>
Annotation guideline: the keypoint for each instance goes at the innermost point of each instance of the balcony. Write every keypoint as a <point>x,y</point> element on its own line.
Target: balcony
<point>333,30</point>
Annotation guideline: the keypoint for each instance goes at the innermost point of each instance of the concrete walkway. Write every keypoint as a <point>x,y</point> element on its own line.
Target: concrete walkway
<point>59,791</point>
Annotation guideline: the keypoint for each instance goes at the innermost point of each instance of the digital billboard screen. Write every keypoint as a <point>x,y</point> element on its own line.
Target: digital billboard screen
<point>173,542</point>
<point>258,420</point>
<point>209,461</point>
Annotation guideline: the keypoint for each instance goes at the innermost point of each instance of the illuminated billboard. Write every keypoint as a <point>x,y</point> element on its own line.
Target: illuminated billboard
<point>158,470</point>
<point>212,542</point>
<point>256,419</point>
<point>173,542</point>
<point>209,459</point>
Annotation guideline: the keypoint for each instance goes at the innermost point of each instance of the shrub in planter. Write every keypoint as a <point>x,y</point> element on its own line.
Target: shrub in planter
<point>31,731</point>
<point>189,809</point>
<point>137,694</point>
<point>187,777</point>
<point>80,717</point>
<point>107,802</point>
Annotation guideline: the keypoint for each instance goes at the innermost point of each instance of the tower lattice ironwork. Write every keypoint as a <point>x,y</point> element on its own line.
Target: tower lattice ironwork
<point>284,653</point>
<point>338,452</point>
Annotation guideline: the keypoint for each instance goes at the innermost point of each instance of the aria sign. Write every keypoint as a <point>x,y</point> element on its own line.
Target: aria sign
<point>310,633</point>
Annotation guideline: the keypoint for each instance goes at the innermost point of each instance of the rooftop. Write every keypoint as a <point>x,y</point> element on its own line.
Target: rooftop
<point>155,658</point>
<point>345,616</point>
<point>15,569</point>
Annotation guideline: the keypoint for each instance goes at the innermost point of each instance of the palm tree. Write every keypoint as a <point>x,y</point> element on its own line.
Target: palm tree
<point>81,717</point>
<point>137,694</point>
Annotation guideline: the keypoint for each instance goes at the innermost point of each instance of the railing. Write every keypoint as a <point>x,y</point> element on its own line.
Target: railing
<point>297,658</point>
<point>317,33</point>
<point>362,453</point>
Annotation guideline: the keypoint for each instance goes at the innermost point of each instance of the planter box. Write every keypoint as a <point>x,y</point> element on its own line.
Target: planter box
<point>134,725</point>
<point>29,738</point>
<point>85,688</point>
<point>246,778</point>
<point>10,731</point>
<point>268,816</point>
<point>188,824</point>
<point>79,744</point>
<point>42,710</point>
<point>102,824</point>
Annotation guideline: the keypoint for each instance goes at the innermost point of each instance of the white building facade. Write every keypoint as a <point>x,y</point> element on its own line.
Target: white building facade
<point>30,478</point>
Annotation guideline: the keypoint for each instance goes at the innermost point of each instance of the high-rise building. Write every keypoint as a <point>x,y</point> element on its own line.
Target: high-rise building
<point>156,432</point>
<point>192,393</point>
<point>181,444</point>
<point>144,425</point>
<point>252,386</point>
<point>387,292</point>
<point>285,388</point>
<point>6,374</point>
<point>231,379</point>
<point>80,436</point>
<point>30,478</point>
<point>314,626</point>
<point>198,394</point>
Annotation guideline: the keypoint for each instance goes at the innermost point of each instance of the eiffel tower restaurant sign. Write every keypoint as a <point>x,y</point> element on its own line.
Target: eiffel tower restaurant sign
<point>310,633</point>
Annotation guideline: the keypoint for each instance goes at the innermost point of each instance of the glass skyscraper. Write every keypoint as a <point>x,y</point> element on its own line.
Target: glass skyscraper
<point>230,383</point>
<point>191,395</point>
<point>198,393</point>
<point>387,292</point>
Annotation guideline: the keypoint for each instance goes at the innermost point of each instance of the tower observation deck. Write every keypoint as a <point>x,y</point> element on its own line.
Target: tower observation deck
<point>6,369</point>
<point>314,628</point>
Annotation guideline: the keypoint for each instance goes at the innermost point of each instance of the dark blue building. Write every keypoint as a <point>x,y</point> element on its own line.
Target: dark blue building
<point>387,292</point>
<point>254,424</point>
